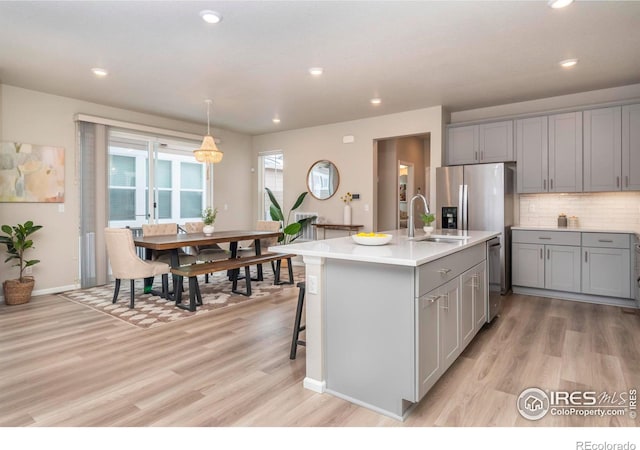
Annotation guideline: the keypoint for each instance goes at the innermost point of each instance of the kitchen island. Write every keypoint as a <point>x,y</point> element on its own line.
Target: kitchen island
<point>383,323</point>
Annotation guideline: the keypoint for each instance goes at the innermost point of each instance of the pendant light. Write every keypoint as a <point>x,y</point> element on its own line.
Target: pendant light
<point>208,151</point>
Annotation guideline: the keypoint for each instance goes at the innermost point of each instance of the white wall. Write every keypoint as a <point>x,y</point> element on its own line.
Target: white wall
<point>356,162</point>
<point>39,118</point>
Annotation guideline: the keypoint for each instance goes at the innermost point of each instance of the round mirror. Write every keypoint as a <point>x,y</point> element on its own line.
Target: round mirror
<point>323,179</point>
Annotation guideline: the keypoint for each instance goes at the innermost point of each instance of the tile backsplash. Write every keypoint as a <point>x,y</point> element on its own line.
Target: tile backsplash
<point>607,210</point>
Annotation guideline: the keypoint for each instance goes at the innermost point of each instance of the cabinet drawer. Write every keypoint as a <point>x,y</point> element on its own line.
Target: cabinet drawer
<point>609,240</point>
<point>436,273</point>
<point>546,237</point>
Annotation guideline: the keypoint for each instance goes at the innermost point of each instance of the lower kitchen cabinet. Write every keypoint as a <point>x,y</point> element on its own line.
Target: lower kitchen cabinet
<point>562,268</point>
<point>528,265</point>
<point>438,333</point>
<point>473,310</point>
<point>606,271</point>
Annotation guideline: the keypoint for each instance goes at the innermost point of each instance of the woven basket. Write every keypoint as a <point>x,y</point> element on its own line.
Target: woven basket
<point>16,293</point>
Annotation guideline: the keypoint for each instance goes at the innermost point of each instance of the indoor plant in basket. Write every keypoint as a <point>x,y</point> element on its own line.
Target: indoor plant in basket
<point>290,231</point>
<point>16,238</point>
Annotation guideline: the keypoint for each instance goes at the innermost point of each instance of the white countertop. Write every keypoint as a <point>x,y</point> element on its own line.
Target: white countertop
<point>400,251</point>
<point>579,229</point>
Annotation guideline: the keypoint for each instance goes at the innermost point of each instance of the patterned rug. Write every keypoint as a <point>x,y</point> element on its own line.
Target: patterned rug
<point>151,310</point>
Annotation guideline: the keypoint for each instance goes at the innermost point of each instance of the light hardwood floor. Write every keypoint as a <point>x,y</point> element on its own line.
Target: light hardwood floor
<point>62,364</point>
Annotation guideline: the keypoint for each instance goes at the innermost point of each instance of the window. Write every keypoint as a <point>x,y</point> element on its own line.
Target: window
<point>147,170</point>
<point>270,176</point>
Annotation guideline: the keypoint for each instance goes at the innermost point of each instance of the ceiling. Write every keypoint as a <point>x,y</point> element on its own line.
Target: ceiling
<point>164,59</point>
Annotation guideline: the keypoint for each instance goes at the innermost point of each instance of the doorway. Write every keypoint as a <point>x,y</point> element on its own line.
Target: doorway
<point>402,171</point>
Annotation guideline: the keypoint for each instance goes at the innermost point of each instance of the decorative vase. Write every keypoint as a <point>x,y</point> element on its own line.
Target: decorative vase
<point>208,230</point>
<point>427,230</point>
<point>347,215</point>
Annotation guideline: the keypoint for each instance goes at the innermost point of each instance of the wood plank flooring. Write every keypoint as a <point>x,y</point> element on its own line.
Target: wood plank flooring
<point>62,364</point>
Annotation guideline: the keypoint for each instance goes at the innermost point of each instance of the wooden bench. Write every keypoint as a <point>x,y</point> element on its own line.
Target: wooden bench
<point>234,265</point>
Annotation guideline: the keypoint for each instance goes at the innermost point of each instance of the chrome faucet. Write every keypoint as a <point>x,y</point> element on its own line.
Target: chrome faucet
<point>410,224</point>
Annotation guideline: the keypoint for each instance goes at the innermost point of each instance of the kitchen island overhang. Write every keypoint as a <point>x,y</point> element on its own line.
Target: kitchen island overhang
<point>384,322</point>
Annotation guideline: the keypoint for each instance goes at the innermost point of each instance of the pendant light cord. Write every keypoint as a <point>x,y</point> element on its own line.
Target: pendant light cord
<point>208,118</point>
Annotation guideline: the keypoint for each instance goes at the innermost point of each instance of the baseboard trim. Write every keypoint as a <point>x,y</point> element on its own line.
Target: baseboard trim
<point>314,385</point>
<point>377,409</point>
<point>597,299</point>
<point>54,290</point>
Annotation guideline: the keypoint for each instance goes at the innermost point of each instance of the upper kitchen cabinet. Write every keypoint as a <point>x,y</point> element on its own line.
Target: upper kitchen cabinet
<point>603,149</point>
<point>532,154</point>
<point>631,148</point>
<point>549,153</point>
<point>485,143</point>
<point>565,152</point>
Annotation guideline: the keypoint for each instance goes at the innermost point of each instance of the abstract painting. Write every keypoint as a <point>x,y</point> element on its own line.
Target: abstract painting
<point>31,173</point>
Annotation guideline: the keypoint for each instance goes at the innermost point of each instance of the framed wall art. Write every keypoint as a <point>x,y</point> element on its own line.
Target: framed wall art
<point>31,173</point>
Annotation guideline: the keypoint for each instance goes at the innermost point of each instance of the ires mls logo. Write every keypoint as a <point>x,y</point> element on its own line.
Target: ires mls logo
<point>534,403</point>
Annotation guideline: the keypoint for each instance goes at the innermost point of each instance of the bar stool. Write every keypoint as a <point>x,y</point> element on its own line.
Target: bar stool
<point>297,328</point>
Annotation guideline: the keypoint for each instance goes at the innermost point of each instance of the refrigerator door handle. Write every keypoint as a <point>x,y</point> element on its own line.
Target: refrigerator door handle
<point>465,211</point>
<point>461,207</point>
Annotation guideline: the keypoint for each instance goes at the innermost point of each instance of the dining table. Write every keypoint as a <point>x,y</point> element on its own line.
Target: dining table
<point>174,242</point>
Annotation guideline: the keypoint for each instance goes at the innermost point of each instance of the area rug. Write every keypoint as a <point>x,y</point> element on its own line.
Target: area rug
<point>151,310</point>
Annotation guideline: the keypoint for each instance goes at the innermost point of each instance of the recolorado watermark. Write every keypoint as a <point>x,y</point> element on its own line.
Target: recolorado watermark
<point>534,404</point>
<point>588,445</point>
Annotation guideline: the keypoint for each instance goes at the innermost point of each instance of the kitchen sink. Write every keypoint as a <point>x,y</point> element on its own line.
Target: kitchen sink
<point>442,240</point>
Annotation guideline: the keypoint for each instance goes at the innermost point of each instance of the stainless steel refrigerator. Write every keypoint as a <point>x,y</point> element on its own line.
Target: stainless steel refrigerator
<point>481,197</point>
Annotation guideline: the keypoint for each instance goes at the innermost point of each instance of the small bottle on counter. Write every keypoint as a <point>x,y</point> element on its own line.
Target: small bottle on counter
<point>562,220</point>
<point>573,222</point>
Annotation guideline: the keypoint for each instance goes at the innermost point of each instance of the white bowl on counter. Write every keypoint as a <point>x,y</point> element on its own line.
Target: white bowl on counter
<point>378,239</point>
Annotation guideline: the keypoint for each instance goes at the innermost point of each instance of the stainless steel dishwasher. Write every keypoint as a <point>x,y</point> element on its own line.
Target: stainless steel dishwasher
<point>494,274</point>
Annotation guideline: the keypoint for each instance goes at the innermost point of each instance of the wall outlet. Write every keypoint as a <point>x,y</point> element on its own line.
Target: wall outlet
<point>313,284</point>
<point>28,270</point>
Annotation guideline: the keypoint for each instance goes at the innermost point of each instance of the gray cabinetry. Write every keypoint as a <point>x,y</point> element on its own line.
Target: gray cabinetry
<point>603,149</point>
<point>549,153</point>
<point>606,264</point>
<point>631,147</point>
<point>485,143</point>
<point>552,265</point>
<point>473,311</point>
<point>427,342</point>
<point>565,152</point>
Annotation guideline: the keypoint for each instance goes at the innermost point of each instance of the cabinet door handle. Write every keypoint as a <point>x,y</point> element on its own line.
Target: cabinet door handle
<point>481,155</point>
<point>551,183</point>
<point>430,300</point>
<point>626,180</point>
<point>446,308</point>
<point>444,271</point>
<point>585,256</point>
<point>544,184</point>
<point>605,240</point>
<point>548,254</point>
<point>475,156</point>
<point>541,255</point>
<point>474,281</point>
<point>618,181</point>
<point>545,238</point>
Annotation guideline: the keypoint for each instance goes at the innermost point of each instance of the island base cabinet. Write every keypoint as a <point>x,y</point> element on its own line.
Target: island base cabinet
<point>473,308</point>
<point>606,271</point>
<point>438,334</point>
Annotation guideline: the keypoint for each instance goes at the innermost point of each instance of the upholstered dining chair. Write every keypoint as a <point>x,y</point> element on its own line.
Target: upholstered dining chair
<point>166,229</point>
<point>206,252</point>
<point>127,265</point>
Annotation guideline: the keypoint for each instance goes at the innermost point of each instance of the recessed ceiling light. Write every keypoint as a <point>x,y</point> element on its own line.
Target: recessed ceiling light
<point>568,63</point>
<point>276,120</point>
<point>210,16</point>
<point>316,71</point>
<point>97,71</point>
<point>557,4</point>
<point>375,101</point>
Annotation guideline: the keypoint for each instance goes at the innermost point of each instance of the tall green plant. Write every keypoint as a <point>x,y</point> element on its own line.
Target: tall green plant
<point>290,231</point>
<point>17,243</point>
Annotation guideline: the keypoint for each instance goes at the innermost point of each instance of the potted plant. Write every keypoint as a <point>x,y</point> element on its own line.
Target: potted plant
<point>290,231</point>
<point>209,218</point>
<point>18,291</point>
<point>428,220</point>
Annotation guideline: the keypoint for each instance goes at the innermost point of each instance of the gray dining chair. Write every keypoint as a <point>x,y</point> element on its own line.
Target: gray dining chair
<point>127,265</point>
